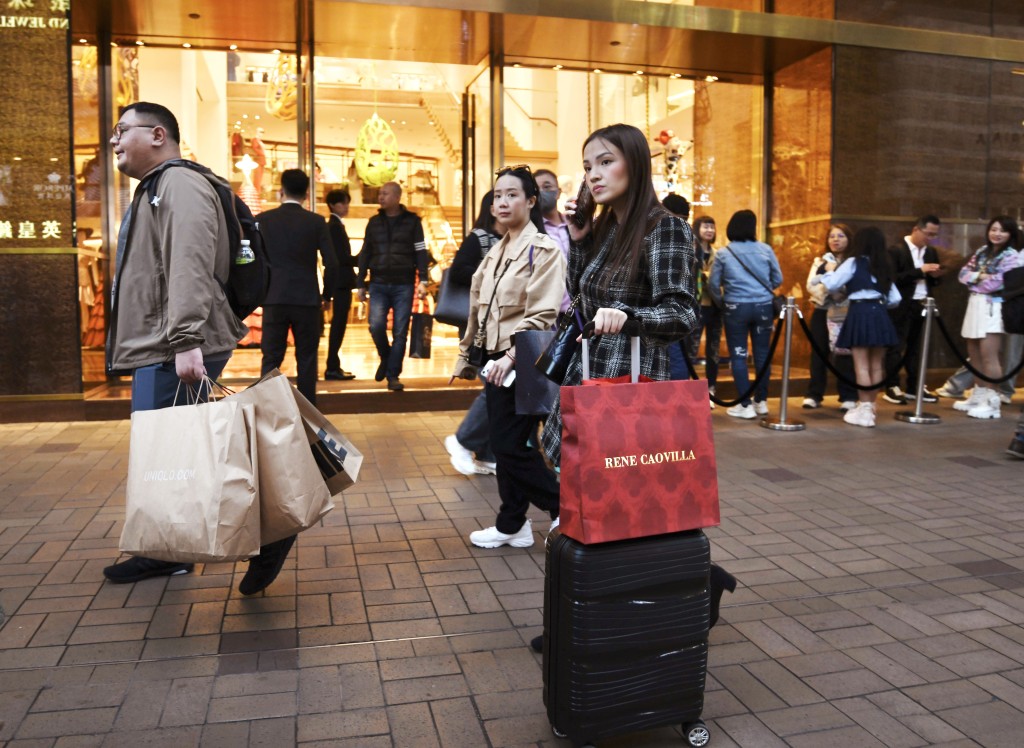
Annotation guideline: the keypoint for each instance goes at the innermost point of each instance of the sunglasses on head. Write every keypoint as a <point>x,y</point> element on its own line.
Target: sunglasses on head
<point>516,167</point>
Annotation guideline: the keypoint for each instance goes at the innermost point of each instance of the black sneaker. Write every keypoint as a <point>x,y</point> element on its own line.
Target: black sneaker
<point>537,643</point>
<point>137,568</point>
<point>927,397</point>
<point>382,371</point>
<point>895,396</point>
<point>264,568</point>
<point>1016,448</point>
<point>394,385</point>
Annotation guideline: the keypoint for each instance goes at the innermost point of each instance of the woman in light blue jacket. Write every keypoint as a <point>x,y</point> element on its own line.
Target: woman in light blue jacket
<point>742,279</point>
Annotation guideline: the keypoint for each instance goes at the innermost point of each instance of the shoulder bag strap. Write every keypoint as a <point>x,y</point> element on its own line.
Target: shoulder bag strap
<point>736,257</point>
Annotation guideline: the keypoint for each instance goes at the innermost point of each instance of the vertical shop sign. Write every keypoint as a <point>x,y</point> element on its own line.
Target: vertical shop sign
<point>38,310</point>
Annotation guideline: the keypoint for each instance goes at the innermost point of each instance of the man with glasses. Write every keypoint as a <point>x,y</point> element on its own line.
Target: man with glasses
<point>169,321</point>
<point>394,250</point>
<point>916,270</point>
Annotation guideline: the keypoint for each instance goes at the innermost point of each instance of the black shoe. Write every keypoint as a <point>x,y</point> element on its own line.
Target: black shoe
<point>895,396</point>
<point>394,385</point>
<point>382,371</point>
<point>927,397</point>
<point>719,581</point>
<point>340,375</point>
<point>1016,448</point>
<point>537,643</point>
<point>264,568</point>
<point>138,568</point>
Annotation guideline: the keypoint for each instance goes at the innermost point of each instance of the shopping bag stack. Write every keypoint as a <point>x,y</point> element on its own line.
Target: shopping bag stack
<point>215,481</point>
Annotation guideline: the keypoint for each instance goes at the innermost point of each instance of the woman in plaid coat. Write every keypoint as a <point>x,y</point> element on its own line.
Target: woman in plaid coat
<point>635,261</point>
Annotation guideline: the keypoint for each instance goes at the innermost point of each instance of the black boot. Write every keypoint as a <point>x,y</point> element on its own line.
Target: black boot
<point>264,568</point>
<point>719,581</point>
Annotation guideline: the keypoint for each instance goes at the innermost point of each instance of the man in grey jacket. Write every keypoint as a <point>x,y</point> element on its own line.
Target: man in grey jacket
<point>170,321</point>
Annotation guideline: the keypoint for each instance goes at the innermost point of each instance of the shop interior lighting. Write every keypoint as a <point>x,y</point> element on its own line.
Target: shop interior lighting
<point>558,67</point>
<point>83,41</point>
<point>597,70</point>
<point>710,78</point>
<point>140,43</point>
<point>1017,71</point>
<point>639,72</point>
<point>233,46</point>
<point>186,45</point>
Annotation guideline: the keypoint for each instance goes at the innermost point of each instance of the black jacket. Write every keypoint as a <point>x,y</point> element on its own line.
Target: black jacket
<point>906,276</point>
<point>292,236</point>
<point>345,279</point>
<point>393,249</point>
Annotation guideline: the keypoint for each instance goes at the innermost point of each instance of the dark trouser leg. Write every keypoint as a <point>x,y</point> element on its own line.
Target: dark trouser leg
<point>893,354</point>
<point>401,300</point>
<point>819,376</point>
<point>339,321</point>
<point>275,337</point>
<point>523,476</point>
<point>306,327</point>
<point>712,320</point>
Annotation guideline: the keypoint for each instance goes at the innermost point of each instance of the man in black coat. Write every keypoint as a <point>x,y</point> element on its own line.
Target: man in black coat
<point>916,270</point>
<point>293,235</point>
<point>338,203</point>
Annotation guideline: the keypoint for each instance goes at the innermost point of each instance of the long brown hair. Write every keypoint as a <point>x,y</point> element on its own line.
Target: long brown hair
<point>643,209</point>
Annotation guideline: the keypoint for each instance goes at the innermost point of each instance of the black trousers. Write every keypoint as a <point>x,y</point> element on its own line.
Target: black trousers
<point>339,321</point>
<point>523,476</point>
<point>304,322</point>
<point>819,373</point>
<point>909,323</point>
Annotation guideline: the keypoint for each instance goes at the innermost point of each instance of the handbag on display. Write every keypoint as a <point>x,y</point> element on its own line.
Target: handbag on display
<point>638,457</point>
<point>452,302</point>
<point>554,361</point>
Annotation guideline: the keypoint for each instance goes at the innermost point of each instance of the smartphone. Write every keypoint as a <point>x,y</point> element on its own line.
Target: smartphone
<point>509,378</point>
<point>584,207</point>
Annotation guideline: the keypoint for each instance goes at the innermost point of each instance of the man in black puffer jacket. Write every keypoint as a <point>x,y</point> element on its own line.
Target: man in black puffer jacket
<point>393,251</point>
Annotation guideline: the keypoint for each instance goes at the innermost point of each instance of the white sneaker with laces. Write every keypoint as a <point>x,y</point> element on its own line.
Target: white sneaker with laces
<point>485,468</point>
<point>972,401</point>
<point>810,403</point>
<point>988,404</point>
<point>461,458</point>
<point>742,411</point>
<point>491,538</point>
<point>847,405</point>
<point>948,392</point>
<point>761,407</point>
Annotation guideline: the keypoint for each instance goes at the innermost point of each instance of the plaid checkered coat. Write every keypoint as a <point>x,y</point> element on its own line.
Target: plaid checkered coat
<point>663,299</point>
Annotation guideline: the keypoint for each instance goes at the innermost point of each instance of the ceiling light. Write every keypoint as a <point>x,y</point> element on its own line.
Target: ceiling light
<point>245,116</point>
<point>186,45</point>
<point>233,46</point>
<point>53,158</point>
<point>677,75</point>
<point>256,116</point>
<point>83,41</point>
<point>558,67</point>
<point>141,43</point>
<point>516,65</point>
<point>597,70</point>
<point>276,51</point>
<point>639,72</point>
<point>710,78</point>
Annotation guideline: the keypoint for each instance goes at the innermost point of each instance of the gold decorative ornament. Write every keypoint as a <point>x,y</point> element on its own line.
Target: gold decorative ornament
<point>376,152</point>
<point>282,94</point>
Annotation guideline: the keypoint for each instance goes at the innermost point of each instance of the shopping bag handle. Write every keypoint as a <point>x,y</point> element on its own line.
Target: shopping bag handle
<point>633,328</point>
<point>193,392</point>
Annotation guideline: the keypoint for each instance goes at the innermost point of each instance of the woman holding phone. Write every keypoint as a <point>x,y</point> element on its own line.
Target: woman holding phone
<point>519,286</point>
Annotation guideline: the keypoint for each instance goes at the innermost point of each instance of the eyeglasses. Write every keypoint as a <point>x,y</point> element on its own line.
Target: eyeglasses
<point>516,167</point>
<point>120,129</point>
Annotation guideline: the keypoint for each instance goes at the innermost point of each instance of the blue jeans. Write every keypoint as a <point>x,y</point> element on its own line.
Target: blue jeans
<point>156,386</point>
<point>396,297</point>
<point>754,320</point>
<point>676,363</point>
<point>474,433</point>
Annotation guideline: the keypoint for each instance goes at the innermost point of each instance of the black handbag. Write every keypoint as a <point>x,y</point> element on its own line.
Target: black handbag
<point>554,361</point>
<point>452,302</point>
<point>535,393</point>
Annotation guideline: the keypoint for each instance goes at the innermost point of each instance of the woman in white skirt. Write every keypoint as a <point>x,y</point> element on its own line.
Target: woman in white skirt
<point>983,322</point>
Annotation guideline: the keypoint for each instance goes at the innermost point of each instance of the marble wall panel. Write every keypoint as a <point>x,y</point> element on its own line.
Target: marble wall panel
<point>937,15</point>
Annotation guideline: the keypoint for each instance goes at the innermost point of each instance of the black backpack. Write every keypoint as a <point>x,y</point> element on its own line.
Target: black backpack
<point>247,284</point>
<point>1013,300</point>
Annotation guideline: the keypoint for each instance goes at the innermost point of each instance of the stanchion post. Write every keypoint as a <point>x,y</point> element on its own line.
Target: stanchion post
<point>780,423</point>
<point>918,415</point>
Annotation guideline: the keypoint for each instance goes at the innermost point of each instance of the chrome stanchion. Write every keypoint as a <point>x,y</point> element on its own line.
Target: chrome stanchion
<point>780,423</point>
<point>918,416</point>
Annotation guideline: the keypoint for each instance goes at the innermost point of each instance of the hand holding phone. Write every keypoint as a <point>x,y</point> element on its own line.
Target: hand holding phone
<point>509,378</point>
<point>584,207</point>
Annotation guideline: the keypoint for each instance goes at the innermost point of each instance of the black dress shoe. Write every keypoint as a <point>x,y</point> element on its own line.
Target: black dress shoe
<point>394,385</point>
<point>382,371</point>
<point>137,568</point>
<point>537,643</point>
<point>719,581</point>
<point>340,375</point>
<point>264,568</point>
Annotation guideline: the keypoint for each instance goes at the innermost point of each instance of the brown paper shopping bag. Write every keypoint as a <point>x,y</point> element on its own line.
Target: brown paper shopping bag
<point>193,484</point>
<point>293,495</point>
<point>338,459</point>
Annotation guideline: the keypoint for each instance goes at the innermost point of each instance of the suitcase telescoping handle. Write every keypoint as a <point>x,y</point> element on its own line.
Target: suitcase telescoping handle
<point>632,328</point>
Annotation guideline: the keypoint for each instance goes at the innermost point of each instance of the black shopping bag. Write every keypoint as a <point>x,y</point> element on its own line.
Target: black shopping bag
<point>420,331</point>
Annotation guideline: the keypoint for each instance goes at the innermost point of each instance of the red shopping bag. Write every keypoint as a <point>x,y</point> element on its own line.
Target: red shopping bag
<point>638,459</point>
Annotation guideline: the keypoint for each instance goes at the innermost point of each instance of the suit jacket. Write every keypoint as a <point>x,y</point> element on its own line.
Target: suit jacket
<point>345,280</point>
<point>293,235</point>
<point>906,276</point>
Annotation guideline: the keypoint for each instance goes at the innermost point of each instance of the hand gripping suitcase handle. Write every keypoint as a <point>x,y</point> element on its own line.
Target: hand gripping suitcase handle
<point>634,329</point>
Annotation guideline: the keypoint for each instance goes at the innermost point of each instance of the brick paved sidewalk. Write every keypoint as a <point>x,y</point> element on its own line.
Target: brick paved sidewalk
<point>880,603</point>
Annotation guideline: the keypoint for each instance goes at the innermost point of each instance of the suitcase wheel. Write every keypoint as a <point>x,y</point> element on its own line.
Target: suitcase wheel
<point>697,734</point>
<point>558,733</point>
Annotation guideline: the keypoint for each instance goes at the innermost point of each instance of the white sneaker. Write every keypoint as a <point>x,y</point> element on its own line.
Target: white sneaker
<point>972,401</point>
<point>461,458</point>
<point>948,392</point>
<point>862,415</point>
<point>742,411</point>
<point>485,468</point>
<point>847,405</point>
<point>1005,399</point>
<point>761,407</point>
<point>712,402</point>
<point>491,538</point>
<point>988,404</point>
<point>810,403</point>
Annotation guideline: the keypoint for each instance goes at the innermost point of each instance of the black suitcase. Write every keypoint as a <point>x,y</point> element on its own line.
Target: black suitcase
<point>626,635</point>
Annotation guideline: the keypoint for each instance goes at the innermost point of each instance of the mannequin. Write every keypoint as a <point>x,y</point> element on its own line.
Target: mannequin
<point>260,157</point>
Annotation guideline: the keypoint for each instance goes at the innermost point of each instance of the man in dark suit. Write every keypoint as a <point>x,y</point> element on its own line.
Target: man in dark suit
<point>338,202</point>
<point>292,236</point>
<point>916,270</point>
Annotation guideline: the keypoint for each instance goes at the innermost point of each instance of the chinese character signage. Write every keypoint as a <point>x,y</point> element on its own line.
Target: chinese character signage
<point>36,183</point>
